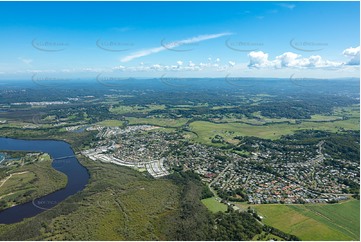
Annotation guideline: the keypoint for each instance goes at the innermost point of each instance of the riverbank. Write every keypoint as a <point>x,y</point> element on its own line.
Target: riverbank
<point>30,181</point>
<point>68,177</point>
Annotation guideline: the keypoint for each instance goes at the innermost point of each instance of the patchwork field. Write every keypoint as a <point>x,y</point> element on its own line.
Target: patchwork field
<point>207,130</point>
<point>135,109</point>
<point>158,121</point>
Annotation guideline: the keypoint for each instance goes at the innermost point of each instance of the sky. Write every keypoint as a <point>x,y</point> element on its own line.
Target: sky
<point>180,39</point>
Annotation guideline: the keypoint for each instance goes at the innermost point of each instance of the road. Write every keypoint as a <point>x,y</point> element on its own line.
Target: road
<point>7,178</point>
<point>221,174</point>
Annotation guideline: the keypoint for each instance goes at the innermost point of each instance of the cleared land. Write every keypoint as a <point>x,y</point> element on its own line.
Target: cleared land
<point>314,222</point>
<point>135,109</point>
<point>164,122</point>
<point>111,123</point>
<point>213,205</point>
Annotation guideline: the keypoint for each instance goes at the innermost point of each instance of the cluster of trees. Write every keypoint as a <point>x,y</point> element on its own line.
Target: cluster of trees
<point>298,107</point>
<point>302,106</point>
<point>89,112</point>
<point>344,145</point>
<point>279,233</point>
<point>192,221</point>
<point>237,195</point>
<point>235,226</point>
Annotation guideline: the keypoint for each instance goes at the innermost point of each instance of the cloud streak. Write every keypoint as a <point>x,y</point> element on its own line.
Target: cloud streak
<point>196,39</point>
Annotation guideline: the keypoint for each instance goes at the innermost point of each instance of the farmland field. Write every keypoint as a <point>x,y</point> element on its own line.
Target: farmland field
<point>111,123</point>
<point>158,121</point>
<point>314,222</point>
<point>135,109</point>
<point>207,130</point>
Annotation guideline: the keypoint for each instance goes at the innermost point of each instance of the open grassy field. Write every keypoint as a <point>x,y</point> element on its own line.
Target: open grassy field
<point>318,117</point>
<point>164,122</point>
<point>111,123</point>
<point>314,221</point>
<point>213,205</point>
<point>207,130</point>
<point>135,109</point>
<point>351,111</point>
<point>252,121</point>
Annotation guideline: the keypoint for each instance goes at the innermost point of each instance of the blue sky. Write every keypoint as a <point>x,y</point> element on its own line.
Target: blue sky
<point>184,39</point>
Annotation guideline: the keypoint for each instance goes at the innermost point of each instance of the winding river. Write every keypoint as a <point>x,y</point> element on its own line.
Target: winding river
<point>64,160</point>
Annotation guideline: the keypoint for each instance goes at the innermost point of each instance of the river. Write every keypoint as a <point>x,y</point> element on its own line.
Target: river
<point>64,160</point>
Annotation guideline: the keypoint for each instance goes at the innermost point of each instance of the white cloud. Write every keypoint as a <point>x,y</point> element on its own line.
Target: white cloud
<point>25,60</point>
<point>287,5</point>
<point>92,69</point>
<point>231,63</point>
<point>354,54</point>
<point>174,44</point>
<point>259,59</point>
<point>157,67</point>
<point>142,53</point>
<point>120,68</point>
<point>179,67</point>
<point>288,59</point>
